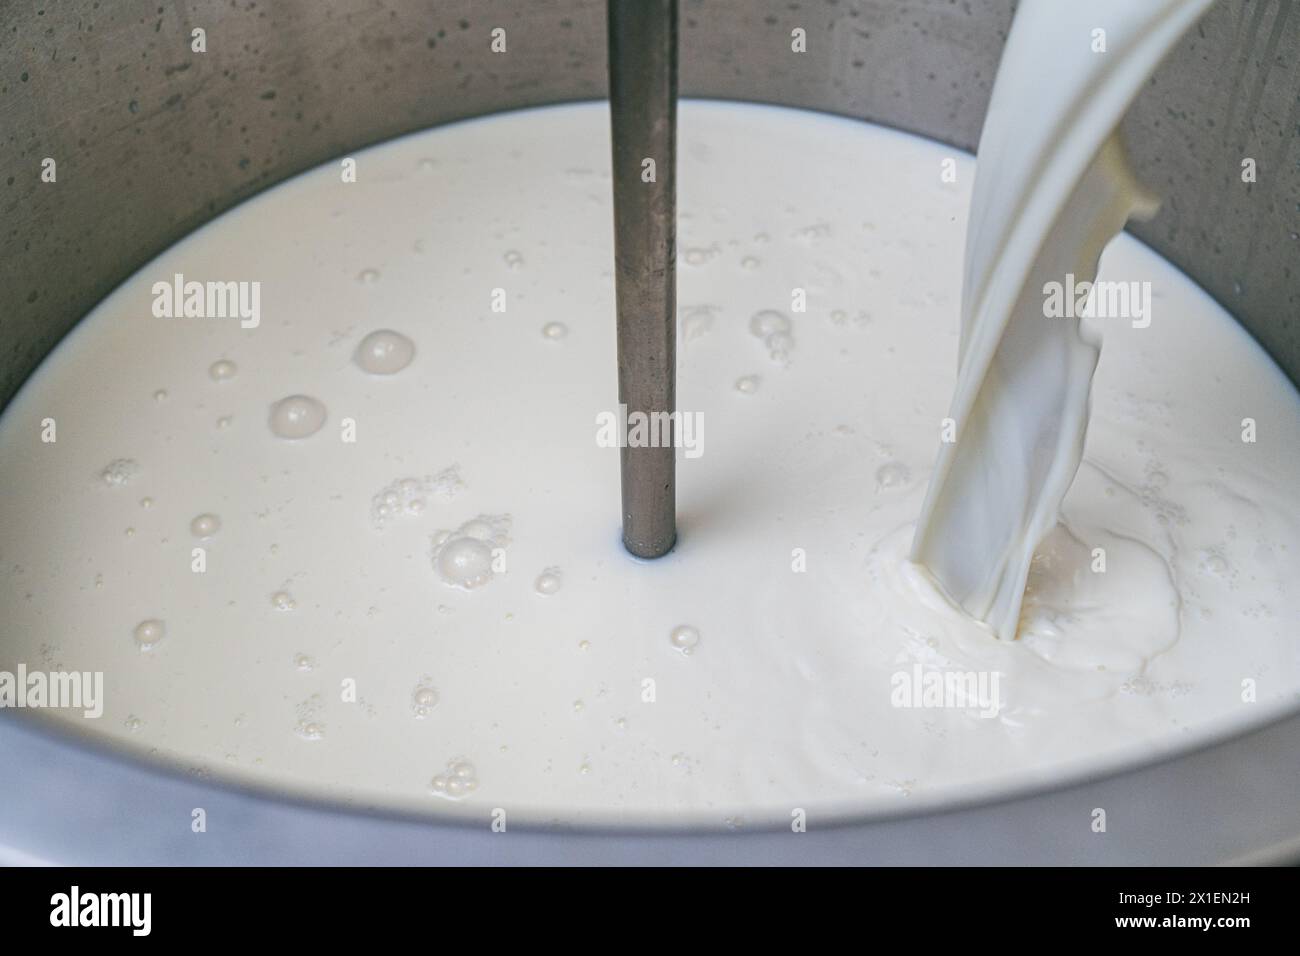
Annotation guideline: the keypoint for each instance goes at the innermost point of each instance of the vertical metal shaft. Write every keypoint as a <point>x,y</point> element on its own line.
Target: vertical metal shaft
<point>643,122</point>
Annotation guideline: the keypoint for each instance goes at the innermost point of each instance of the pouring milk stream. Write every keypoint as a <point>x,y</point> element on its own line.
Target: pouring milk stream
<point>1051,190</point>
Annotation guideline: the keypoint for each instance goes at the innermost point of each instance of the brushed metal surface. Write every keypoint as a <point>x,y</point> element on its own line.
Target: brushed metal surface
<point>152,140</point>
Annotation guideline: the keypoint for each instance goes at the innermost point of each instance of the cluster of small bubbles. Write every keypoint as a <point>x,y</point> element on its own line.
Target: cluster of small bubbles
<point>133,723</point>
<point>368,276</point>
<point>463,558</point>
<point>146,503</point>
<point>119,472</point>
<point>685,638</point>
<point>384,352</point>
<point>748,384</point>
<point>160,395</point>
<point>297,416</point>
<point>409,497</point>
<point>205,525</point>
<point>892,474</point>
<point>283,601</point>
<point>310,729</point>
<point>222,370</point>
<point>423,699</point>
<point>404,497</point>
<point>149,633</point>
<point>513,258</point>
<point>459,780</point>
<point>774,328</point>
<point>549,581</point>
<point>699,255</point>
<point>303,662</point>
<point>555,331</point>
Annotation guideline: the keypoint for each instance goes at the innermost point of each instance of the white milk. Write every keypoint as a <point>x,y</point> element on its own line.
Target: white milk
<point>459,563</point>
<point>1053,188</point>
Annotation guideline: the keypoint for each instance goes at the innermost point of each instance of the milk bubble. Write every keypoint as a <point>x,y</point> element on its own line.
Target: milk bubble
<point>549,581</point>
<point>465,562</point>
<point>222,370</point>
<point>892,474</point>
<point>298,416</point>
<point>463,558</point>
<point>368,276</point>
<point>555,330</point>
<point>149,633</point>
<point>699,255</point>
<point>384,352</point>
<point>685,638</point>
<point>748,384</point>
<point>423,699</point>
<point>283,601</point>
<point>779,346</point>
<point>696,321</point>
<point>205,526</point>
<point>119,471</point>
<point>310,730</point>
<point>768,322</point>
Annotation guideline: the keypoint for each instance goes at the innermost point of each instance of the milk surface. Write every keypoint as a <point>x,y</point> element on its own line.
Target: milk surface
<point>438,615</point>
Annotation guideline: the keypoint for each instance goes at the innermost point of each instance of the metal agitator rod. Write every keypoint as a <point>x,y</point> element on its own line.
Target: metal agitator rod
<point>643,121</point>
